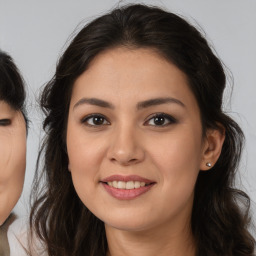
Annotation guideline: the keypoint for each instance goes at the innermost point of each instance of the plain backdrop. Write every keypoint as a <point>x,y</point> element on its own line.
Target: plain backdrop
<point>35,33</point>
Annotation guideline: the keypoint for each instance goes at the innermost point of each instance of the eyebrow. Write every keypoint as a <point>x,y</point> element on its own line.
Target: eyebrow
<point>139,105</point>
<point>95,102</point>
<point>158,101</point>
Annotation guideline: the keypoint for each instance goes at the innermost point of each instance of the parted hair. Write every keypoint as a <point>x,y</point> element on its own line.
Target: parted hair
<point>220,216</point>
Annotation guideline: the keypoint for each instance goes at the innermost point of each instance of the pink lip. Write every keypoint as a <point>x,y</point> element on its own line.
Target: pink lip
<point>126,178</point>
<point>126,194</point>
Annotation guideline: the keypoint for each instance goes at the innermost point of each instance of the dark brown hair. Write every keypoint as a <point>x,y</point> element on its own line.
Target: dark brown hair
<point>12,89</point>
<point>220,216</point>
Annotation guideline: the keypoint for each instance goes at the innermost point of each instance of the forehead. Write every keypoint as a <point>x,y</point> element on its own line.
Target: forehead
<point>5,107</point>
<point>134,74</point>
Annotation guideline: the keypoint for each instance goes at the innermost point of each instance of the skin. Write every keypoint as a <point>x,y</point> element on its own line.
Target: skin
<point>12,158</point>
<point>128,142</point>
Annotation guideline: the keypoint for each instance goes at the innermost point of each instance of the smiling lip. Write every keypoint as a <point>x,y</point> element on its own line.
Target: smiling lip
<point>127,194</point>
<point>126,178</point>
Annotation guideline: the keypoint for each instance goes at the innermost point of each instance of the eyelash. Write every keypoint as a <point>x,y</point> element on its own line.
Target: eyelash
<point>5,122</point>
<point>87,118</point>
<point>167,120</point>
<point>170,120</point>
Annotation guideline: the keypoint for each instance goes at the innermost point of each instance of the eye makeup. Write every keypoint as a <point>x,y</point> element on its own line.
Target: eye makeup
<point>160,120</point>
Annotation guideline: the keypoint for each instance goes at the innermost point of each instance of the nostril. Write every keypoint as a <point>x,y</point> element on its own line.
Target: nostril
<point>125,155</point>
<point>133,160</point>
<point>124,161</point>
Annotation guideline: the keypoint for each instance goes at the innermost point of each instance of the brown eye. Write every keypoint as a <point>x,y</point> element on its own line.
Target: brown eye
<point>5,122</point>
<point>161,120</point>
<point>95,120</point>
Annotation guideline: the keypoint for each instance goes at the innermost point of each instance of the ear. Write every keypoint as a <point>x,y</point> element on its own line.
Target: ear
<point>212,147</point>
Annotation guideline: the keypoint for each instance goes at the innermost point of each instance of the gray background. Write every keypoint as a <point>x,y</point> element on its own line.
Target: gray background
<point>36,32</point>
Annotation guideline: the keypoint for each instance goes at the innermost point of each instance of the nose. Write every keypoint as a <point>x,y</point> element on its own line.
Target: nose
<point>125,147</point>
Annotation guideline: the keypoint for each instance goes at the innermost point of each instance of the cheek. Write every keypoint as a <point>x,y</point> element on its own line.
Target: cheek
<point>12,170</point>
<point>178,160</point>
<point>85,157</point>
<point>83,153</point>
<point>5,155</point>
<point>12,157</point>
<point>178,151</point>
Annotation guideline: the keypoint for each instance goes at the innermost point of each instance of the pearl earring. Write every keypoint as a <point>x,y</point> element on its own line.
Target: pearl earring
<point>208,164</point>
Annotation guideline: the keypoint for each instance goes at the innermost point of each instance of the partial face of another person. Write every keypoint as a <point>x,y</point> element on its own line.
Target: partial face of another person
<point>12,158</point>
<point>134,140</point>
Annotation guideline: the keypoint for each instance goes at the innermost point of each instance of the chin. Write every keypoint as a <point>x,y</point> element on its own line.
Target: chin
<point>134,227</point>
<point>128,222</point>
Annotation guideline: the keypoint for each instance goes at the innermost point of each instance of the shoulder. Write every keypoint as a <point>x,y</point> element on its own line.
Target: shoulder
<point>17,237</point>
<point>20,241</point>
<point>4,245</point>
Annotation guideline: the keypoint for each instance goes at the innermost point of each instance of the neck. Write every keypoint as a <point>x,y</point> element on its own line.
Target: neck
<point>162,241</point>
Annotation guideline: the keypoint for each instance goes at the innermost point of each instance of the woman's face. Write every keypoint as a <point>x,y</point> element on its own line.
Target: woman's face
<point>12,158</point>
<point>134,140</point>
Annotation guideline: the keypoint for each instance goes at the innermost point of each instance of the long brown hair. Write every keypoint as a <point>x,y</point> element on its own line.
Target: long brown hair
<point>219,222</point>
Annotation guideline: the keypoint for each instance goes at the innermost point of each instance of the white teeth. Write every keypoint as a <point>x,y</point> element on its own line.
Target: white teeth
<point>129,185</point>
<point>114,184</point>
<point>126,185</point>
<point>136,184</point>
<point>120,184</point>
